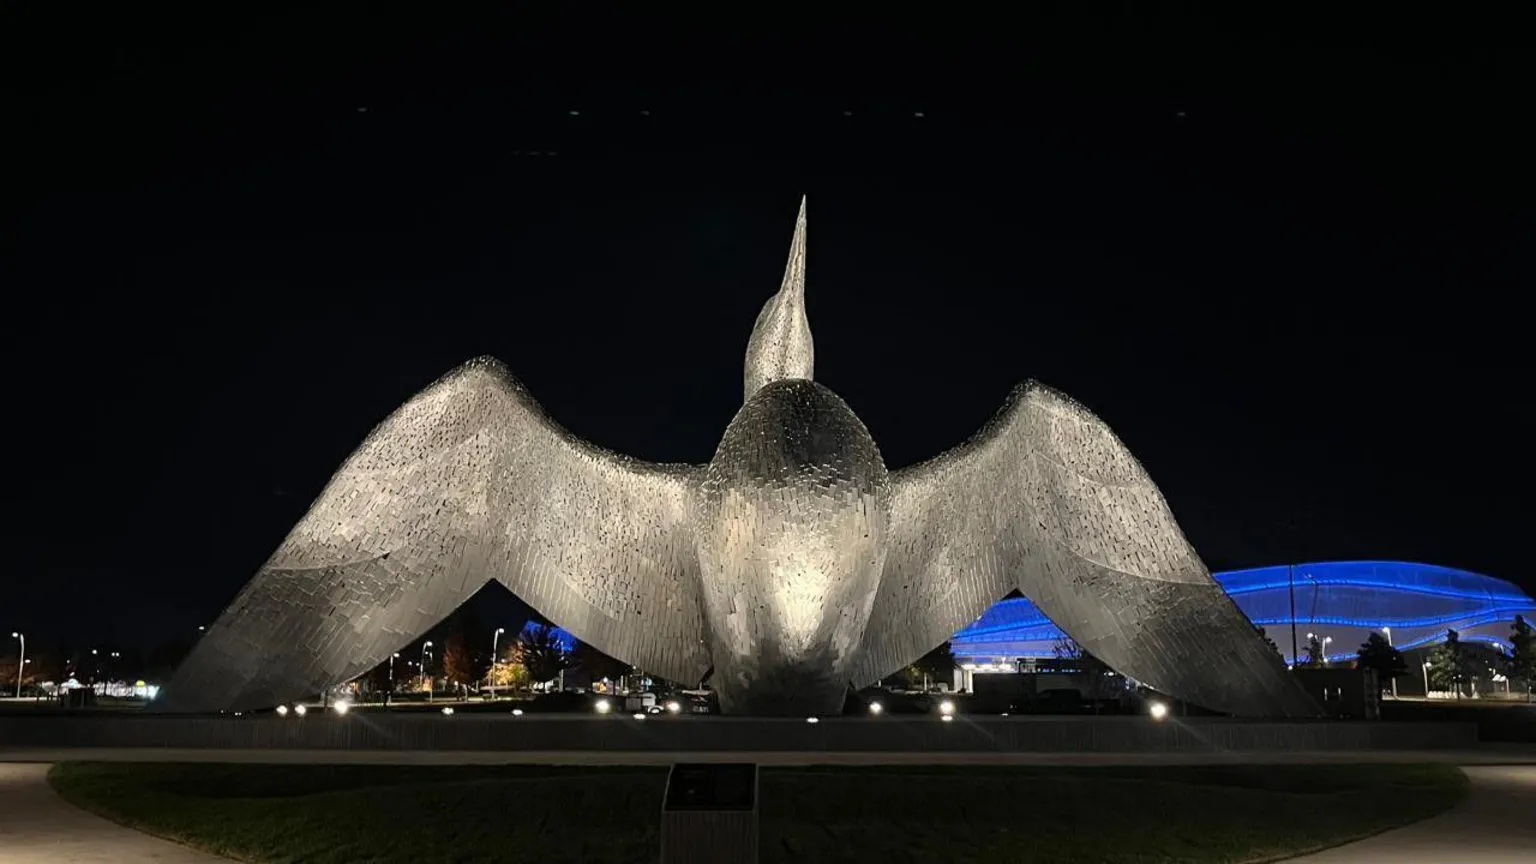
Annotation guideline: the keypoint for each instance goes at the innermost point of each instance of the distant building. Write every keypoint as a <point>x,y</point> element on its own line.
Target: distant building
<point>1341,601</point>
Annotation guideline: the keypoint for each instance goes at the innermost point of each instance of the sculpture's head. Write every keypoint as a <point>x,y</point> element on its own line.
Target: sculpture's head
<point>780,347</point>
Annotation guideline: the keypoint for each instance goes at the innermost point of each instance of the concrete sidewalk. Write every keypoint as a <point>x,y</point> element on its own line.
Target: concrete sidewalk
<point>1488,755</point>
<point>1495,825</point>
<point>39,827</point>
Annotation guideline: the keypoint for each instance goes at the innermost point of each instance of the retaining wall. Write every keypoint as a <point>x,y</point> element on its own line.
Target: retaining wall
<point>374,731</point>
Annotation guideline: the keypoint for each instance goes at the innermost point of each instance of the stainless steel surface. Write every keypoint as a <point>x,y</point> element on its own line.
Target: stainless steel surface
<point>468,482</point>
<point>793,562</point>
<point>780,347</point>
<point>1047,500</point>
<point>791,522</point>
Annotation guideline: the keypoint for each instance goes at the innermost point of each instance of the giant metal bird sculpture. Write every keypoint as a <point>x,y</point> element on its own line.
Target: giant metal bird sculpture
<point>794,564</point>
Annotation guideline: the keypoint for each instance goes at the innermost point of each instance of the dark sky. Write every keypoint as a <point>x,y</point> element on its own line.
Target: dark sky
<point>1285,259</point>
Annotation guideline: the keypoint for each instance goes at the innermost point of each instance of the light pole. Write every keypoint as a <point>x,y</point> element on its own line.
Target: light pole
<point>1290,572</point>
<point>1388,631</point>
<point>21,662</point>
<point>390,695</point>
<point>495,636</point>
<point>1425,664</point>
<point>426,682</point>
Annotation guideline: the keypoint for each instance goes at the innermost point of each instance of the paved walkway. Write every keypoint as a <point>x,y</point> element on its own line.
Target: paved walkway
<point>1495,825</point>
<point>38,827</point>
<point>1511,755</point>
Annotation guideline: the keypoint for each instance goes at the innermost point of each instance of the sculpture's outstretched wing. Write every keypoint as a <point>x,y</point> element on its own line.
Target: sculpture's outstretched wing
<point>1047,500</point>
<point>465,483</point>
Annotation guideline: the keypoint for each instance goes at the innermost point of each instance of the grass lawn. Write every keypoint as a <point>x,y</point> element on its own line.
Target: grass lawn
<point>553,814</point>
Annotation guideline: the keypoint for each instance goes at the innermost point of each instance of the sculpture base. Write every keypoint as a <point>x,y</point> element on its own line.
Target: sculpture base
<point>803,690</point>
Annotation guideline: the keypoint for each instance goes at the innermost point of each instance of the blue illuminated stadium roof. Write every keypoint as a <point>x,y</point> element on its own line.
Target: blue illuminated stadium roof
<point>1343,601</point>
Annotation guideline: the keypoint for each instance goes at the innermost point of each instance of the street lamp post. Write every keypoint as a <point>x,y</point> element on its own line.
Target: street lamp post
<point>494,637</point>
<point>21,662</point>
<point>427,682</point>
<point>1425,665</point>
<point>1388,631</point>
<point>391,693</point>
<point>1290,572</point>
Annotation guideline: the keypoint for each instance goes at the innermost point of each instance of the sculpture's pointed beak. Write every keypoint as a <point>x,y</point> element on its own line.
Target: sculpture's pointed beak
<point>780,346</point>
<point>793,285</point>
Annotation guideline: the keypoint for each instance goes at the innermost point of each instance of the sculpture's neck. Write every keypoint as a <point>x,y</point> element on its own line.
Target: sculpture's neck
<point>780,347</point>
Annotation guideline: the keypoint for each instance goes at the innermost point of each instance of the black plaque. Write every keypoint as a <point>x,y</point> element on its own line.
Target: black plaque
<point>712,786</point>
<point>709,815</point>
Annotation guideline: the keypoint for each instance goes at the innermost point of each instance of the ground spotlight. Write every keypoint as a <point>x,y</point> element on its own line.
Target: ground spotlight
<point>517,712</point>
<point>1158,710</point>
<point>282,710</point>
<point>300,710</point>
<point>342,707</point>
<point>946,708</point>
<point>947,718</point>
<point>639,715</point>
<point>603,706</point>
<point>447,710</point>
<point>813,719</point>
<point>876,707</point>
<point>674,707</point>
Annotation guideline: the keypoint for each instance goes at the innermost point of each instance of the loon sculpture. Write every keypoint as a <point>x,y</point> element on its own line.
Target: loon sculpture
<point>794,565</point>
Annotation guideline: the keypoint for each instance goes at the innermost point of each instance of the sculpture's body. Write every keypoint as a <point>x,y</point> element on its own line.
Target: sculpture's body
<point>793,564</point>
<point>791,523</point>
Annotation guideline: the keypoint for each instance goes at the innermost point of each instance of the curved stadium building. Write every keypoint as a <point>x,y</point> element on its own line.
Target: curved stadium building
<point>1341,601</point>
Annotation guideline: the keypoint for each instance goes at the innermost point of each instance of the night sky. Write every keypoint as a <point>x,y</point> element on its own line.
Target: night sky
<point>1286,260</point>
